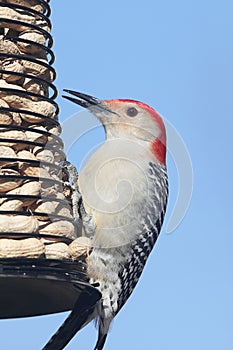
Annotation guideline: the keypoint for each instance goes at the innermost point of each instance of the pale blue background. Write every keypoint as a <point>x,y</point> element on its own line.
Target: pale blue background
<point>178,57</point>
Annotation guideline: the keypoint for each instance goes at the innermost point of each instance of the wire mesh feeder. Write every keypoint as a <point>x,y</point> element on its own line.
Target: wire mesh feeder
<point>42,261</point>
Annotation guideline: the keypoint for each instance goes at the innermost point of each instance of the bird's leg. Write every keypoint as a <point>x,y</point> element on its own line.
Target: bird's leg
<point>81,217</point>
<point>87,221</point>
<point>76,197</point>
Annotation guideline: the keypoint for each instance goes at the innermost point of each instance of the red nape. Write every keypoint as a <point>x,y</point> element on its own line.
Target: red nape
<point>159,150</point>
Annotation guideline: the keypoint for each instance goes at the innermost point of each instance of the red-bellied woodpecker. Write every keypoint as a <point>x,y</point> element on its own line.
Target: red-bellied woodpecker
<point>124,190</point>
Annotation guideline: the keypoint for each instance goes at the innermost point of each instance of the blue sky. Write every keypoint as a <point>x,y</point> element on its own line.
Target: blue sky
<point>176,56</point>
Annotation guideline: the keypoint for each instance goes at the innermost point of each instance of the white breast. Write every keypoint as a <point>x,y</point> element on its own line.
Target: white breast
<point>115,188</point>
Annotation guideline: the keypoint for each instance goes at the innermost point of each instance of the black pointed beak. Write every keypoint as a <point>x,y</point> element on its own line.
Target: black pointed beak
<point>88,101</point>
<point>83,100</point>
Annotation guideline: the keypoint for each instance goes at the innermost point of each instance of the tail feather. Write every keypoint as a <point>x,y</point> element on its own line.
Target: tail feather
<point>103,323</point>
<point>101,341</point>
<point>78,318</point>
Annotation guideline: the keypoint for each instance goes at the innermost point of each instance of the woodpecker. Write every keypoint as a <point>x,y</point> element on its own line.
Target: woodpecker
<point>124,190</point>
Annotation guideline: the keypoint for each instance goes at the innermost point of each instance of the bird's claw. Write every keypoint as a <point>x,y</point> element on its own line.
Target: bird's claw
<point>81,217</point>
<point>89,225</point>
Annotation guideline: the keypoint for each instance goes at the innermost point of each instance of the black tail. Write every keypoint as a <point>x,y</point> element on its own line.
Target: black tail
<point>101,341</point>
<point>79,316</point>
<point>104,324</point>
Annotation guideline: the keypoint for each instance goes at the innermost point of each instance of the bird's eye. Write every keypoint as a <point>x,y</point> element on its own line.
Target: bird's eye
<point>132,112</point>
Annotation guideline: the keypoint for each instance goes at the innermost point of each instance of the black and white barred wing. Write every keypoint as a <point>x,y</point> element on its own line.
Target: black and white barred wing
<point>150,224</point>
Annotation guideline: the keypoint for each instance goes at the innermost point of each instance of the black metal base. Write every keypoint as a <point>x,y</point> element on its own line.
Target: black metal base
<point>33,287</point>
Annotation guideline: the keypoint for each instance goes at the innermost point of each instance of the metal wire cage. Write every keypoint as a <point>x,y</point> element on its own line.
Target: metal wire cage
<point>34,282</point>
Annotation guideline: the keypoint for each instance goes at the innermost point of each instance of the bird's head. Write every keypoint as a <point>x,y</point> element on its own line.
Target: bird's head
<point>128,119</point>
